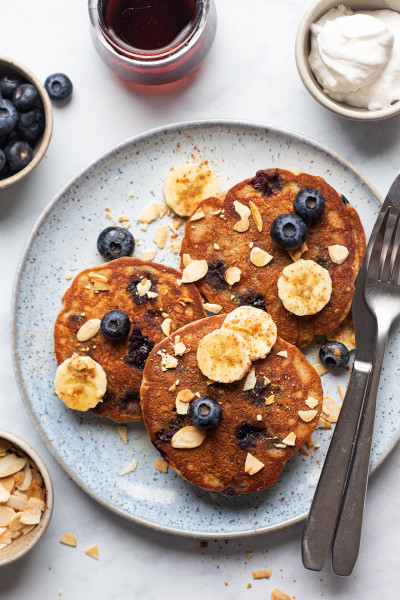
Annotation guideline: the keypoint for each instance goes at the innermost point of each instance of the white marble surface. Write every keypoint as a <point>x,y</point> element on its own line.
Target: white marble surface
<point>249,74</point>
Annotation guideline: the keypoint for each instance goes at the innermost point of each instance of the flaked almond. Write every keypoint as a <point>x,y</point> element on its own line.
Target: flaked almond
<point>130,468</point>
<point>123,433</point>
<point>306,415</point>
<point>69,540</point>
<point>69,276</point>
<point>270,400</point>
<point>242,225</point>
<point>188,437</point>
<point>15,522</point>
<point>182,408</point>
<point>186,260</point>
<point>25,484</point>
<point>282,353</point>
<point>290,440</point>
<point>212,308</point>
<point>6,514</point>
<point>256,216</point>
<point>166,326</point>
<point>261,574</point>
<point>252,465</point>
<point>160,236</point>
<point>32,512</point>
<point>216,246</point>
<point>8,483</point>
<point>93,276</point>
<point>10,464</point>
<point>280,446</point>
<point>194,271</point>
<point>197,215</point>
<point>150,213</point>
<point>93,552</point>
<point>101,286</point>
<point>277,594</point>
<point>342,392</point>
<point>323,424</point>
<point>250,381</point>
<point>148,254</point>
<point>144,227</point>
<point>124,220</point>
<point>175,245</point>
<point>232,275</point>
<point>143,286</point>
<point>168,362</point>
<point>259,257</point>
<point>151,294</point>
<point>17,502</point>
<point>173,386</point>
<point>161,465</point>
<point>179,348</point>
<point>311,402</point>
<point>242,210</point>
<point>338,253</point>
<point>320,369</point>
<point>4,494</point>
<point>330,410</point>
<point>296,253</point>
<point>88,330</point>
<point>185,396</point>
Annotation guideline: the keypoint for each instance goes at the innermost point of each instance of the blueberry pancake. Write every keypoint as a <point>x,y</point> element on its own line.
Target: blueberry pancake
<point>247,267</point>
<point>153,304</point>
<point>231,434</point>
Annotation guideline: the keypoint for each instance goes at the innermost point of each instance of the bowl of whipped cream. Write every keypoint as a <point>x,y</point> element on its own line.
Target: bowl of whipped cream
<point>348,57</point>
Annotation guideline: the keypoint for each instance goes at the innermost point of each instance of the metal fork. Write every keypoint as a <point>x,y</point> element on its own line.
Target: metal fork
<point>382,294</point>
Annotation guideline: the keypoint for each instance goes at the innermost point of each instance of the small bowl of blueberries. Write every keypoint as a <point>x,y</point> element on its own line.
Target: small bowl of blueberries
<point>26,121</point>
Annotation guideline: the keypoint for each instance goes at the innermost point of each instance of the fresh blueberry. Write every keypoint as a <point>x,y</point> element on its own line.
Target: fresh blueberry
<point>8,116</point>
<point>288,231</point>
<point>344,199</point>
<point>9,84</point>
<point>4,139</point>
<point>3,160</point>
<point>334,355</point>
<point>309,204</point>
<point>205,412</point>
<point>114,242</point>
<point>19,154</point>
<point>115,325</point>
<point>31,124</point>
<point>58,86</point>
<point>25,97</point>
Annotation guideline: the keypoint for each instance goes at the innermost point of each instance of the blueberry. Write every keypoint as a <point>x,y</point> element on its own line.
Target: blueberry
<point>309,204</point>
<point>115,325</point>
<point>334,355</point>
<point>114,242</point>
<point>19,154</point>
<point>344,199</point>
<point>25,97</point>
<point>3,160</point>
<point>8,116</point>
<point>58,86</point>
<point>31,125</point>
<point>205,412</point>
<point>288,231</point>
<point>9,84</point>
<point>139,349</point>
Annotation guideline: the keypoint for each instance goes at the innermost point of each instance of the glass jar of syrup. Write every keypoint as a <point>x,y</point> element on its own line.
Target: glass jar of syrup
<point>152,42</point>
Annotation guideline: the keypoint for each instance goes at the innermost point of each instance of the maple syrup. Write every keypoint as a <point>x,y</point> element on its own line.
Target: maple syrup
<point>149,24</point>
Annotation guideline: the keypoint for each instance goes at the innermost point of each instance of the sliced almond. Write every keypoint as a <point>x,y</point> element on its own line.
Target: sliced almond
<point>330,410</point>
<point>32,512</point>
<point>10,464</point>
<point>123,432</point>
<point>168,362</point>
<point>342,392</point>
<point>270,400</point>
<point>166,326</point>
<point>150,213</point>
<point>4,494</point>
<point>252,465</point>
<point>261,574</point>
<point>197,215</point>
<point>242,210</point>
<point>212,308</point>
<point>185,396</point>
<point>69,540</point>
<point>338,253</point>
<point>130,468</point>
<point>143,286</point>
<point>297,252</point>
<point>160,236</point>
<point>25,484</point>
<point>250,381</point>
<point>151,294</point>
<point>27,528</point>
<point>94,276</point>
<point>179,349</point>
<point>175,245</point>
<point>232,275</point>
<point>182,408</point>
<point>148,254</point>
<point>259,257</point>
<point>311,402</point>
<point>277,594</point>
<point>93,552</point>
<point>256,216</point>
<point>15,522</point>
<point>186,259</point>
<point>290,440</point>
<point>88,330</point>
<point>194,271</point>
<point>242,225</point>
<point>17,502</point>
<point>282,353</point>
<point>124,220</point>
<point>99,286</point>
<point>8,483</point>
<point>188,437</point>
<point>161,465</point>
<point>321,369</point>
<point>306,415</point>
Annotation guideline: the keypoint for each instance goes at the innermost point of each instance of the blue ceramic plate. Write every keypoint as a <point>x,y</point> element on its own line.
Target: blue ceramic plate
<point>90,449</point>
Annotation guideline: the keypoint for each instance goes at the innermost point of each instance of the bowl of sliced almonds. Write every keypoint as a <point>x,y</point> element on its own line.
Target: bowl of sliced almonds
<point>26,497</point>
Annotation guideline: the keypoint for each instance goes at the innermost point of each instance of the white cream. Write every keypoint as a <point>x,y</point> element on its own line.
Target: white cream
<point>356,56</point>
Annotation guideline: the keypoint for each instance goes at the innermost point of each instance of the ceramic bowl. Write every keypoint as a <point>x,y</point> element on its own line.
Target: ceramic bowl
<point>7,66</point>
<point>20,546</point>
<point>302,51</point>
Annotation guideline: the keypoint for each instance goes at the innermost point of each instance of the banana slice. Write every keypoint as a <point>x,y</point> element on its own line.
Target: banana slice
<point>187,185</point>
<point>255,326</point>
<point>80,382</point>
<point>304,287</point>
<point>223,355</point>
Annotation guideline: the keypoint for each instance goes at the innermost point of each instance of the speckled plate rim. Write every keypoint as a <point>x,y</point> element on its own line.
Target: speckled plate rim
<point>143,137</point>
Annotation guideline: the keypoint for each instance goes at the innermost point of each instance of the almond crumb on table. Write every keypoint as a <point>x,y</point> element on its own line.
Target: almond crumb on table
<point>93,551</point>
<point>69,540</point>
<point>261,574</point>
<point>161,465</point>
<point>277,594</point>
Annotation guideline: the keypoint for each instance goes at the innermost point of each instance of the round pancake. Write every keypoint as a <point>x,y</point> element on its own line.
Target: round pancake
<point>119,358</point>
<point>214,238</point>
<point>218,463</point>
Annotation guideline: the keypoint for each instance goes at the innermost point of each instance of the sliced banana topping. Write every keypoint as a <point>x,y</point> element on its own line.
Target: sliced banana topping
<point>80,382</point>
<point>255,326</point>
<point>223,355</point>
<point>304,287</point>
<point>187,185</point>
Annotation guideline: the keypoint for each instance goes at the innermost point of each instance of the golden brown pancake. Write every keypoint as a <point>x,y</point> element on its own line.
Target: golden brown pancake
<point>218,463</point>
<point>124,360</point>
<point>214,238</point>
